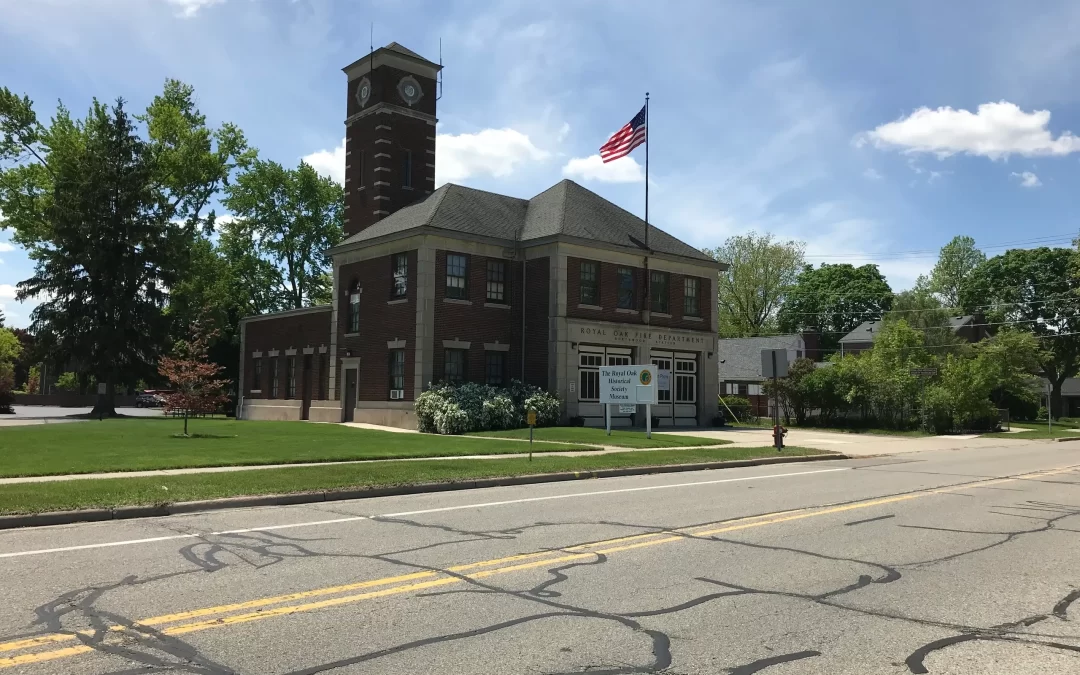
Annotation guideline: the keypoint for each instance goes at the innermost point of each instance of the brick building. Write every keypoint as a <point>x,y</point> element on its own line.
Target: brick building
<point>458,284</point>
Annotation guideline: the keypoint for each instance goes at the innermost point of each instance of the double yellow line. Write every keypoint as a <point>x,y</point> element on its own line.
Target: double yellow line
<point>307,601</point>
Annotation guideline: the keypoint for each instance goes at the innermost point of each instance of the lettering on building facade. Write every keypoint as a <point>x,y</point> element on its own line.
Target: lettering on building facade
<point>637,336</point>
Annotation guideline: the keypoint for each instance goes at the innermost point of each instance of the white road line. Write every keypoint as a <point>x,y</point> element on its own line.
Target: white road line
<point>315,523</point>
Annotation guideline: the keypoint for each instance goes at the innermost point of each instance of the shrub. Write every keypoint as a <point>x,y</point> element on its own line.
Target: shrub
<point>451,419</point>
<point>67,382</point>
<point>936,415</point>
<point>499,413</point>
<point>469,407</point>
<point>547,407</point>
<point>738,405</point>
<point>7,384</point>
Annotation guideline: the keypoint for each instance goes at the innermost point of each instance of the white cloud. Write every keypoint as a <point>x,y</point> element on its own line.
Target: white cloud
<point>995,130</point>
<point>1027,179</point>
<point>7,292</point>
<point>6,247</point>
<point>872,174</point>
<point>624,170</point>
<point>492,152</point>
<point>329,163</point>
<point>189,8</point>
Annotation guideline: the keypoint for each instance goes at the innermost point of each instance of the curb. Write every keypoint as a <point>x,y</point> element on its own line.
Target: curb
<point>158,510</point>
<point>1066,439</point>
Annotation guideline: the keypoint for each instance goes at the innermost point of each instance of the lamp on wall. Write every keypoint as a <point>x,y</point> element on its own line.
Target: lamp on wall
<point>348,352</point>
<point>573,345</point>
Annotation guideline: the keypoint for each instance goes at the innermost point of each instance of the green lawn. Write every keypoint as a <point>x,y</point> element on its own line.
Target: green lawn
<point>843,430</point>
<point>621,439</point>
<point>137,444</point>
<point>104,493</point>
<point>1037,430</point>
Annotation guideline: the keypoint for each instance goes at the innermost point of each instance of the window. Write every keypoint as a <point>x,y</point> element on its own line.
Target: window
<point>273,378</point>
<point>256,374</point>
<point>590,283</point>
<point>496,281</point>
<point>290,378</point>
<point>454,366</point>
<point>363,166</point>
<point>400,265</point>
<point>457,271</point>
<point>324,375</point>
<point>743,389</point>
<point>685,380</point>
<point>662,363</point>
<point>406,170</point>
<point>495,368</point>
<point>354,310</point>
<point>397,370</point>
<point>626,287</point>
<point>589,376</point>
<point>691,288</point>
<point>659,292</point>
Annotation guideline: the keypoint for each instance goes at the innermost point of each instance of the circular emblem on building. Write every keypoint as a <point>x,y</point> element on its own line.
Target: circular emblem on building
<point>645,377</point>
<point>409,89</point>
<point>363,92</point>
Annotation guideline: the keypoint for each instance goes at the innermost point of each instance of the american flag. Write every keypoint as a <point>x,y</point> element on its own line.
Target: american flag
<point>626,139</point>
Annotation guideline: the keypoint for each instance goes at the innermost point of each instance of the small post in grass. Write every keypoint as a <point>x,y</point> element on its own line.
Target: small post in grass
<point>531,418</point>
<point>1049,414</point>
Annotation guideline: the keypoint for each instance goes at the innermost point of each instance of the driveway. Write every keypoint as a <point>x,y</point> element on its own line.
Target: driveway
<point>51,414</point>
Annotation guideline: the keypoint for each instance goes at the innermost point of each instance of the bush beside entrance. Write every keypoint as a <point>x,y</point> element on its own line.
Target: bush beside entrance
<point>469,407</point>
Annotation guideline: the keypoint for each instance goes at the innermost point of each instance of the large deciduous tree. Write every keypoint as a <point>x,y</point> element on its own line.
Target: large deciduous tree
<point>1035,290</point>
<point>751,290</point>
<point>108,209</point>
<point>286,220</point>
<point>835,299</point>
<point>956,261</point>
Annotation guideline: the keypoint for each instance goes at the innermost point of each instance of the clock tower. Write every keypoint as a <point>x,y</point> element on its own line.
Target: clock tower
<point>389,134</point>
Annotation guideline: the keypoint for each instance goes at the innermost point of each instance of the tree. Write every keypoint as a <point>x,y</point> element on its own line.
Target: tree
<point>1035,290</point>
<point>108,217</point>
<point>835,299</point>
<point>795,392</point>
<point>923,311</point>
<point>10,346</point>
<point>288,218</point>
<point>760,272</point>
<point>192,376</point>
<point>957,260</point>
<point>68,381</point>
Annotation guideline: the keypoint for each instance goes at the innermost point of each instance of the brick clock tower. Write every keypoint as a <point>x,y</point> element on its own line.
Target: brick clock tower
<point>389,134</point>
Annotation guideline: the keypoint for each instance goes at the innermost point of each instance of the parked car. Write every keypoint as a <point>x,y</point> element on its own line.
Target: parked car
<point>149,399</point>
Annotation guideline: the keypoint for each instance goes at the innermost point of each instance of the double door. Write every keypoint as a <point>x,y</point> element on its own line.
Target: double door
<point>590,358</point>
<point>677,405</point>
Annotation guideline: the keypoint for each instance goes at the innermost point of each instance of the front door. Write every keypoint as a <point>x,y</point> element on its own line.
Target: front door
<point>305,409</point>
<point>349,400</point>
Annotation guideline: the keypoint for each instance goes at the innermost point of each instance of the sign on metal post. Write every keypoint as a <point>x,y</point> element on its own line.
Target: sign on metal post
<point>530,417</point>
<point>627,409</point>
<point>767,361</point>
<point>628,386</point>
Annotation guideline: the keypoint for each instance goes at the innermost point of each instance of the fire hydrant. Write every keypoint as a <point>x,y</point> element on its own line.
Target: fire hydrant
<point>778,436</point>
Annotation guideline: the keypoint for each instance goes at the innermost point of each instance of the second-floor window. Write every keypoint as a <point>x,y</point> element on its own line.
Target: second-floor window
<point>659,291</point>
<point>354,311</point>
<point>496,281</point>
<point>400,265</point>
<point>457,272</point>
<point>590,283</point>
<point>691,295</point>
<point>406,169</point>
<point>454,366</point>
<point>626,288</point>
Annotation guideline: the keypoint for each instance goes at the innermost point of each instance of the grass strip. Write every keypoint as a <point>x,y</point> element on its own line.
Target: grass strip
<point>112,492</point>
<point>619,439</point>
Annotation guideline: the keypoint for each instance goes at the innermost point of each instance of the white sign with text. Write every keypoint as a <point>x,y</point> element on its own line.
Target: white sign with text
<point>625,385</point>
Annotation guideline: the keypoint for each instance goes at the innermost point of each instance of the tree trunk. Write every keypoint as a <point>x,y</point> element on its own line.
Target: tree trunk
<point>185,421</point>
<point>1055,410</point>
<point>105,406</point>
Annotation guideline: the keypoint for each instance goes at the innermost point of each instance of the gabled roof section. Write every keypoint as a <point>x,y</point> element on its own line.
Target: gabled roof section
<point>564,209</point>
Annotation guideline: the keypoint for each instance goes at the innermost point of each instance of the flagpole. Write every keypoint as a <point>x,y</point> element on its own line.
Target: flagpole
<point>646,170</point>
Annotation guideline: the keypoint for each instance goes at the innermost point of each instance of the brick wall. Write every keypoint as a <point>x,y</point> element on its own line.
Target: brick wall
<point>475,322</point>
<point>380,323</point>
<point>609,295</point>
<point>537,310</point>
<point>310,329</point>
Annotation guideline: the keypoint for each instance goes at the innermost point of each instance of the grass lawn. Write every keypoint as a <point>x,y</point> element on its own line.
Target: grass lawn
<point>621,439</point>
<point>844,430</point>
<point>138,443</point>
<point>1037,430</point>
<point>103,493</point>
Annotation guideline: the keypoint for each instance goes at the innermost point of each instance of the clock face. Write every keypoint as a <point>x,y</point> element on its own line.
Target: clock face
<point>409,89</point>
<point>363,92</point>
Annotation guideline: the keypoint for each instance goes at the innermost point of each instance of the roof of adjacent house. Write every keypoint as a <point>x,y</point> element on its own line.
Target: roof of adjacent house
<point>566,208</point>
<point>867,331</point>
<point>740,358</point>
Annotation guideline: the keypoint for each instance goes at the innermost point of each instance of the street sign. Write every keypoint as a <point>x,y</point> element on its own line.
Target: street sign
<point>627,409</point>
<point>923,372</point>
<point>767,361</point>
<point>531,418</point>
<point>627,386</point>
<point>663,380</point>
<point>101,388</point>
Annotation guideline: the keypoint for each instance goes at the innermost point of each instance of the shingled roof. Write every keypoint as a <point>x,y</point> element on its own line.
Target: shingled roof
<point>563,209</point>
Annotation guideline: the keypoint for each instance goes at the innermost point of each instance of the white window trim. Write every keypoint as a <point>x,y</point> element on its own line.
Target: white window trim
<point>495,347</point>
<point>456,344</point>
<point>395,344</point>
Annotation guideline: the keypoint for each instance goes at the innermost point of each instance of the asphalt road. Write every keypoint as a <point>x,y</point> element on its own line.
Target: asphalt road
<point>960,562</point>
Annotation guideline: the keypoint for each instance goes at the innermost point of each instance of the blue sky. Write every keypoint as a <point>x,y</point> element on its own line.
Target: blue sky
<point>868,130</point>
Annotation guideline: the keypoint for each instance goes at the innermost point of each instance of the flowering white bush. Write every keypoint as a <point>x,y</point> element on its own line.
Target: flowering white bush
<point>469,407</point>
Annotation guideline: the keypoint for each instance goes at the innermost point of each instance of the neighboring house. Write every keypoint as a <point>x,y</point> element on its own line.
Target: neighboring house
<point>739,365</point>
<point>1070,397</point>
<point>462,285</point>
<point>970,327</point>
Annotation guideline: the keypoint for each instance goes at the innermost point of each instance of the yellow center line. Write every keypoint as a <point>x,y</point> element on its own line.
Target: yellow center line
<point>510,564</point>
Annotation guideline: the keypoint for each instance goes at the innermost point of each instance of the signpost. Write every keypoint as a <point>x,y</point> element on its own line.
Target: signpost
<point>530,417</point>
<point>774,365</point>
<point>628,386</point>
